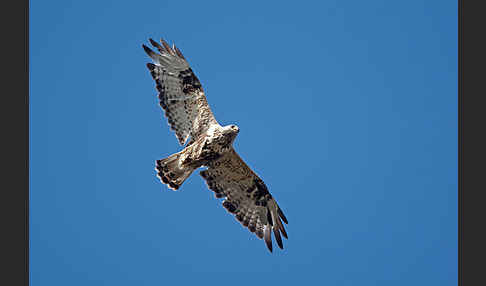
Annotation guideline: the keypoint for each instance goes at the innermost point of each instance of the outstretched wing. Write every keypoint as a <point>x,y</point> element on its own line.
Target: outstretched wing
<point>246,196</point>
<point>180,92</point>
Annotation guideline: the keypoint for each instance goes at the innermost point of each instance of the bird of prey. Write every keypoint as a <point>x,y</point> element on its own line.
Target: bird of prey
<point>210,145</point>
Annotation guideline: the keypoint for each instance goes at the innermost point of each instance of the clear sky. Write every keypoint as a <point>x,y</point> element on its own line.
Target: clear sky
<point>347,110</point>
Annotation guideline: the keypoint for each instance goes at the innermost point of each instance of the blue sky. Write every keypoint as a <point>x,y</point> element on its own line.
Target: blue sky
<point>347,110</point>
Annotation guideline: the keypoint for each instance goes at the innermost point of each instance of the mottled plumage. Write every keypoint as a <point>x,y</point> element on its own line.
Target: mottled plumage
<point>182,98</point>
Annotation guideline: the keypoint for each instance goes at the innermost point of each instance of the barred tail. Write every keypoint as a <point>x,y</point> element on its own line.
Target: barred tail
<point>171,172</point>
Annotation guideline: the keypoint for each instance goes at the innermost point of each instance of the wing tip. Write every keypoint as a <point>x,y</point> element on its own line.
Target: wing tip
<point>267,234</point>
<point>179,53</point>
<point>281,215</point>
<point>154,43</point>
<point>277,237</point>
<point>157,45</point>
<point>269,217</point>
<point>167,46</point>
<point>282,229</point>
<point>148,50</point>
<point>150,66</point>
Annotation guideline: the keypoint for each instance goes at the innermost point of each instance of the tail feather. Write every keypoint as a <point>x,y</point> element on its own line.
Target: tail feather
<point>171,173</point>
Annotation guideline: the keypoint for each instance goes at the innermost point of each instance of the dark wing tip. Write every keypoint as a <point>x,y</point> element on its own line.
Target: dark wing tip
<point>157,45</point>
<point>280,214</point>
<point>148,50</point>
<point>166,46</point>
<point>150,66</point>
<point>154,43</point>
<point>268,237</point>
<point>282,229</point>
<point>277,237</point>
<point>269,246</point>
<point>179,53</point>
<point>269,217</point>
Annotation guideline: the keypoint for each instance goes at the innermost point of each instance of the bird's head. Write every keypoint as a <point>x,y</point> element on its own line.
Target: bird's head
<point>231,131</point>
<point>233,128</point>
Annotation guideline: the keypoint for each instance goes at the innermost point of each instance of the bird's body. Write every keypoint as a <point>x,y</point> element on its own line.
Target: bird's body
<point>210,145</point>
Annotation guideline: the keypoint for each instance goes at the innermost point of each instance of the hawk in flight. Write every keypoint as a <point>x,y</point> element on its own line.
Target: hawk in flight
<point>210,145</point>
